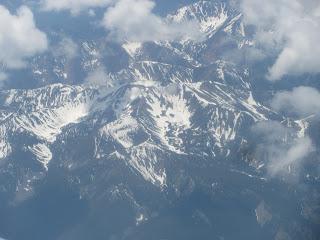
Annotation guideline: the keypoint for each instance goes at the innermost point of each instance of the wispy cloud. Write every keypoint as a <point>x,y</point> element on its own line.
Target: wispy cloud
<point>99,77</point>
<point>74,6</point>
<point>290,29</point>
<point>301,101</point>
<point>3,76</point>
<point>281,149</point>
<point>66,48</point>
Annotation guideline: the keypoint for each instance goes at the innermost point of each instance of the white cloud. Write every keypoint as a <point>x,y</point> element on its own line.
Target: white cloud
<point>283,152</point>
<point>301,101</point>
<point>134,20</point>
<point>74,6</point>
<point>91,13</point>
<point>289,27</point>
<point>66,48</point>
<point>3,76</point>
<point>99,77</point>
<point>19,37</point>
<point>290,158</point>
<point>130,20</point>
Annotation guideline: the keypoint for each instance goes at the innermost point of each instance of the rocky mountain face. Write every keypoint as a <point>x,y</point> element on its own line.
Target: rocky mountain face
<point>137,140</point>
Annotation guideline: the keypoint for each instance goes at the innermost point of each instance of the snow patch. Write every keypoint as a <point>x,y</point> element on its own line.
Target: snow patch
<point>172,116</point>
<point>132,48</point>
<point>42,153</point>
<point>303,125</point>
<point>48,123</point>
<point>144,159</point>
<point>121,130</point>
<point>5,148</point>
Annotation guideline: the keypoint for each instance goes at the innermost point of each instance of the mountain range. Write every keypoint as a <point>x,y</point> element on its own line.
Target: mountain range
<point>151,140</point>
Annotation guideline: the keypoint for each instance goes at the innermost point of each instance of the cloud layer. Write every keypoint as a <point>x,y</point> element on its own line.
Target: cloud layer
<point>292,29</point>
<point>134,20</point>
<point>301,101</point>
<point>74,6</point>
<point>19,37</point>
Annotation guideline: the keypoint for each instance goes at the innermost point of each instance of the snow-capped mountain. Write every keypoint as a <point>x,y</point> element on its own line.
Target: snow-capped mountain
<point>131,130</point>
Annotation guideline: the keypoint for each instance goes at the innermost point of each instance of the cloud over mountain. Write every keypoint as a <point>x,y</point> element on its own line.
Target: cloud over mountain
<point>134,20</point>
<point>291,29</point>
<point>283,152</point>
<point>301,101</point>
<point>66,48</point>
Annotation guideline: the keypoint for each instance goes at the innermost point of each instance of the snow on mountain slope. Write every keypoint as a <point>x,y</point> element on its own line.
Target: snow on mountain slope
<point>132,48</point>
<point>138,121</point>
<point>146,160</point>
<point>43,154</point>
<point>148,120</point>
<point>5,148</point>
<point>155,71</point>
<point>222,27</point>
<point>209,14</point>
<point>41,113</point>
